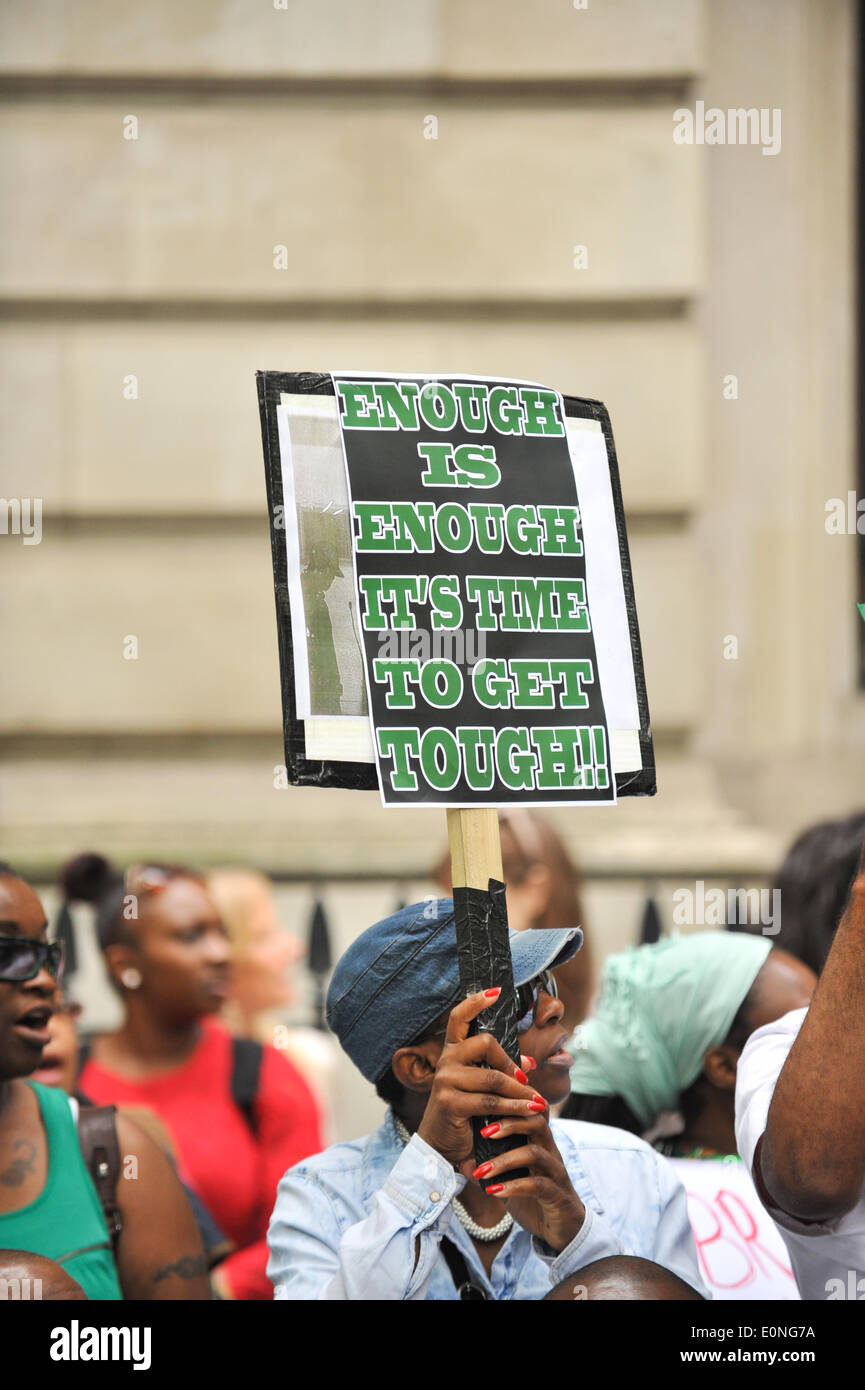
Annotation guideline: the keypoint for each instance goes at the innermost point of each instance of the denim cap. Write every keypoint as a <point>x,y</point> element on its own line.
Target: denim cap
<point>401,973</point>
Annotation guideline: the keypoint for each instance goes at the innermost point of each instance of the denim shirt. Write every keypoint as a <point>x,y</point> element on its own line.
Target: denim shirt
<point>365,1219</point>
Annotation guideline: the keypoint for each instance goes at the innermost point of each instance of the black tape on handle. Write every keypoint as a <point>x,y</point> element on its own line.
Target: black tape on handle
<point>484,951</point>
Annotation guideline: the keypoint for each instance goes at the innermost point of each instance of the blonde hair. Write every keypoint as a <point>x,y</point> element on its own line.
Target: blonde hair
<point>234,891</point>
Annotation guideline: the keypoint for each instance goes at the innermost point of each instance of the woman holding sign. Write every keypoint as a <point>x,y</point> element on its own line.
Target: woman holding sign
<point>406,1212</point>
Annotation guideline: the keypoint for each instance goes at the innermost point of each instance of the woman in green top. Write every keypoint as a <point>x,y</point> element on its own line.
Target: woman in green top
<point>48,1204</point>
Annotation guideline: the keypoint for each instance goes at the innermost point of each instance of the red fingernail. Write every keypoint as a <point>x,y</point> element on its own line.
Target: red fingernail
<point>521,1077</point>
<point>482,1170</point>
<point>493,993</point>
<point>537,1106</point>
<point>530,1063</point>
<point>495,1188</point>
<point>489,1130</point>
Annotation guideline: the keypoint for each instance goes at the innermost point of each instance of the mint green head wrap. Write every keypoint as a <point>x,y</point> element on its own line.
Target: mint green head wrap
<point>659,1009</point>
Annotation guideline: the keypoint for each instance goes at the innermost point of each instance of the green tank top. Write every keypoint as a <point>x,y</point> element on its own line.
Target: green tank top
<point>65,1222</point>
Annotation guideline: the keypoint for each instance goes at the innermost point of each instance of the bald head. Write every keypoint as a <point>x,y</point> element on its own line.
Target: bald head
<point>20,1270</point>
<point>624,1278</point>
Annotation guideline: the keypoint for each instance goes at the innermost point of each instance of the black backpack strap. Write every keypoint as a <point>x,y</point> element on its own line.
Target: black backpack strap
<point>465,1286</point>
<point>97,1136</point>
<point>246,1056</point>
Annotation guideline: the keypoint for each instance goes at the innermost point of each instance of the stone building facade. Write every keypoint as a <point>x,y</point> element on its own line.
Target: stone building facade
<point>200,190</point>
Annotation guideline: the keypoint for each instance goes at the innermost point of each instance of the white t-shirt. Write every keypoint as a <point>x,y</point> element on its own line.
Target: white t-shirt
<point>740,1251</point>
<point>828,1258</point>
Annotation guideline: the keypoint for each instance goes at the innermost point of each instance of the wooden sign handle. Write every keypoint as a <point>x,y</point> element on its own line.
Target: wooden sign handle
<point>482,940</point>
<point>476,848</point>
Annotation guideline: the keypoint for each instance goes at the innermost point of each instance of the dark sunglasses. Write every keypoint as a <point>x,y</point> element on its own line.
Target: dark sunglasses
<point>21,958</point>
<point>528,996</point>
<point>527,1004</point>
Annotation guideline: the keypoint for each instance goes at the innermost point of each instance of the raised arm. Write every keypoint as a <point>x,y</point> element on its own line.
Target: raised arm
<point>812,1158</point>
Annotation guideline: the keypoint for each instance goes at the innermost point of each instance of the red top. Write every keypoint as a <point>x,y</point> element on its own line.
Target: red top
<point>234,1172</point>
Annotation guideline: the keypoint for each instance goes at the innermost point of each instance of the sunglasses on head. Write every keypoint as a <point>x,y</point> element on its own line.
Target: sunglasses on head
<point>150,878</point>
<point>21,958</point>
<point>528,996</point>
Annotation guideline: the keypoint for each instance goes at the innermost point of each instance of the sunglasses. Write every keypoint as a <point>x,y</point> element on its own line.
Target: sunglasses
<point>528,996</point>
<point>21,958</point>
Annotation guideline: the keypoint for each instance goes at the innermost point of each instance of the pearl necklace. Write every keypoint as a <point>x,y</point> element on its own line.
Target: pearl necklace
<point>482,1233</point>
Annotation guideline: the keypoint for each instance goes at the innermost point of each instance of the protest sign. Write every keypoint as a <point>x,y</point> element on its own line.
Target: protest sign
<point>490,653</point>
<point>454,561</point>
<point>740,1249</point>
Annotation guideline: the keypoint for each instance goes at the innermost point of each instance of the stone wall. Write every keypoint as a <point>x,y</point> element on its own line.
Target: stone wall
<point>304,126</point>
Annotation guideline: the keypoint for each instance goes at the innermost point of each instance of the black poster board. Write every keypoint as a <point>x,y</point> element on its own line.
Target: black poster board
<point>304,767</point>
